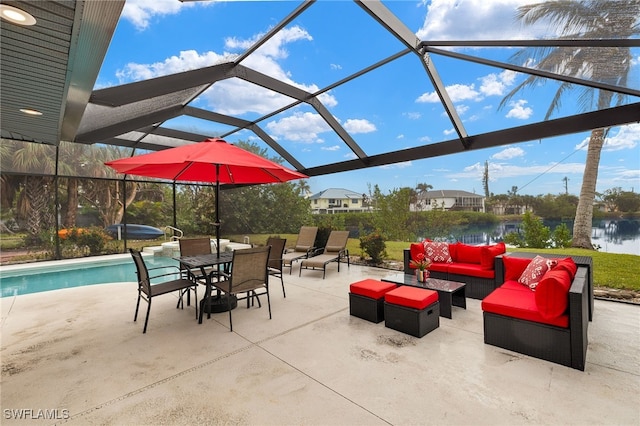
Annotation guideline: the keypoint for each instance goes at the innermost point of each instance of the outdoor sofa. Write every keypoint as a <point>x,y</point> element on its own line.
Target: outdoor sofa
<point>549,322</point>
<point>469,264</point>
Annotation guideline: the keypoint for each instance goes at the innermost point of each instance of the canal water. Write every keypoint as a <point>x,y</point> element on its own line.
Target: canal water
<point>609,236</point>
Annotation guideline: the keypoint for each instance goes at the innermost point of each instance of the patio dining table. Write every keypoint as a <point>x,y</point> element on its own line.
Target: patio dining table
<point>202,262</point>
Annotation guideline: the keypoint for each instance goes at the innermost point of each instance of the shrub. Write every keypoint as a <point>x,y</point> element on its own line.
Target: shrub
<point>373,245</point>
<point>561,236</point>
<point>513,239</point>
<point>536,235</point>
<point>83,241</point>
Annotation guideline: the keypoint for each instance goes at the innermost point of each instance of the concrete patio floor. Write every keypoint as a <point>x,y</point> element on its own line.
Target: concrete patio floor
<point>76,354</point>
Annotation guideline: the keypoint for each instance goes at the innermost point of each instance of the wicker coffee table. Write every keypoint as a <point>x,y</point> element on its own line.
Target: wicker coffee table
<point>450,293</point>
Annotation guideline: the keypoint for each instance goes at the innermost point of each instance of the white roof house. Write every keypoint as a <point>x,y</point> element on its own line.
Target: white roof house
<point>446,199</point>
<point>337,200</point>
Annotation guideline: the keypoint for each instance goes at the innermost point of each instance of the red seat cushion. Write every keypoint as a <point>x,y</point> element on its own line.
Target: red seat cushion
<point>371,288</point>
<point>471,269</point>
<point>514,285</point>
<point>412,297</point>
<point>440,267</point>
<point>552,293</point>
<point>519,304</point>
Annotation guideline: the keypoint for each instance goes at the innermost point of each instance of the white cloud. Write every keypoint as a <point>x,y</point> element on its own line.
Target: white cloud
<point>431,97</point>
<point>626,137</point>
<point>508,153</point>
<point>457,92</point>
<point>448,132</point>
<point>140,12</point>
<point>330,148</point>
<point>335,67</point>
<point>401,165</point>
<point>461,109</point>
<point>490,85</point>
<point>299,127</point>
<point>412,115</point>
<point>502,171</point>
<point>519,110</point>
<point>629,175</point>
<point>185,61</point>
<point>496,84</point>
<point>477,19</point>
<point>359,126</point>
<point>235,96</point>
<point>462,92</point>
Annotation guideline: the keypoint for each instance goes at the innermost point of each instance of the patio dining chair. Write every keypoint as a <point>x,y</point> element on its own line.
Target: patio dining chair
<point>147,290</point>
<point>305,245</point>
<point>275,259</point>
<point>248,275</point>
<point>334,251</point>
<point>194,247</point>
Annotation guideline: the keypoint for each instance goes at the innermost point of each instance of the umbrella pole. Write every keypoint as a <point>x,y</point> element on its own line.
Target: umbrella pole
<point>218,210</point>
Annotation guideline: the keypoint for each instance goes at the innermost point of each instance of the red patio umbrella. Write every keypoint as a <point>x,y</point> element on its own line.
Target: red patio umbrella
<point>213,160</point>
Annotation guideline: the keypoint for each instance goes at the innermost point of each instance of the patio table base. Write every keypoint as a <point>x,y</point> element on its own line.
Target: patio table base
<point>218,304</point>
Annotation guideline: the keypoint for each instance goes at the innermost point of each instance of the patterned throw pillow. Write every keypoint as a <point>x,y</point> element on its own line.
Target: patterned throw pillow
<point>437,252</point>
<point>535,270</point>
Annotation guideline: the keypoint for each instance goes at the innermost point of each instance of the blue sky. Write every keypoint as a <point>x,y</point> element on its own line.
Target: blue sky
<point>391,108</point>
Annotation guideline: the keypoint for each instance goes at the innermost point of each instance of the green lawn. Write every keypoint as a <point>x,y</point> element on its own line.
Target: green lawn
<point>620,271</point>
<point>610,270</point>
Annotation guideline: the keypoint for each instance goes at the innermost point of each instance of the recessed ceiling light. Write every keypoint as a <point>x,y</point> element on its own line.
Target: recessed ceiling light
<point>15,15</point>
<point>30,111</point>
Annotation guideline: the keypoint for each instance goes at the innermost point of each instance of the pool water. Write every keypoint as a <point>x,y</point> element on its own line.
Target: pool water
<point>34,279</point>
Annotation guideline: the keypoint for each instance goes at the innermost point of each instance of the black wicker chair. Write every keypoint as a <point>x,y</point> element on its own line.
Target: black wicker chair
<point>565,346</point>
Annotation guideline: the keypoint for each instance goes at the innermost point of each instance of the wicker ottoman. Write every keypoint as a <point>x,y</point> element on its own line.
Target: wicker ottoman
<point>412,310</point>
<point>366,299</point>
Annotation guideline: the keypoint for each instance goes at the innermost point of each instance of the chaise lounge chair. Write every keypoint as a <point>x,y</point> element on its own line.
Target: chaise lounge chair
<point>334,251</point>
<point>305,245</point>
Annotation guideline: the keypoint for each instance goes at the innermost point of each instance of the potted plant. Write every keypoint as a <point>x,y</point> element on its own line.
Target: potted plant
<point>421,263</point>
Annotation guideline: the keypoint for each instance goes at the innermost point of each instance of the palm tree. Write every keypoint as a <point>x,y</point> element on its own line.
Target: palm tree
<point>70,163</point>
<point>585,19</point>
<point>36,202</point>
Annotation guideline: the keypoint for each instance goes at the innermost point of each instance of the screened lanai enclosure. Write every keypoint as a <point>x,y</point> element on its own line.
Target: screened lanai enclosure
<point>60,123</point>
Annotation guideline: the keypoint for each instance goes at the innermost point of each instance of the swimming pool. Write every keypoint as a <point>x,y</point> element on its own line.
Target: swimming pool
<point>53,275</point>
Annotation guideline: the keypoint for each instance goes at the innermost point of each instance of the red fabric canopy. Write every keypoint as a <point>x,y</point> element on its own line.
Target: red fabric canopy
<point>212,160</point>
<point>197,163</point>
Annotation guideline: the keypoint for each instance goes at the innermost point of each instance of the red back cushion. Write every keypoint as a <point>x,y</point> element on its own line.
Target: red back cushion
<point>468,253</point>
<point>489,253</point>
<point>437,252</point>
<point>552,293</point>
<point>514,267</point>
<point>415,248</point>
<point>453,251</point>
<point>568,265</point>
